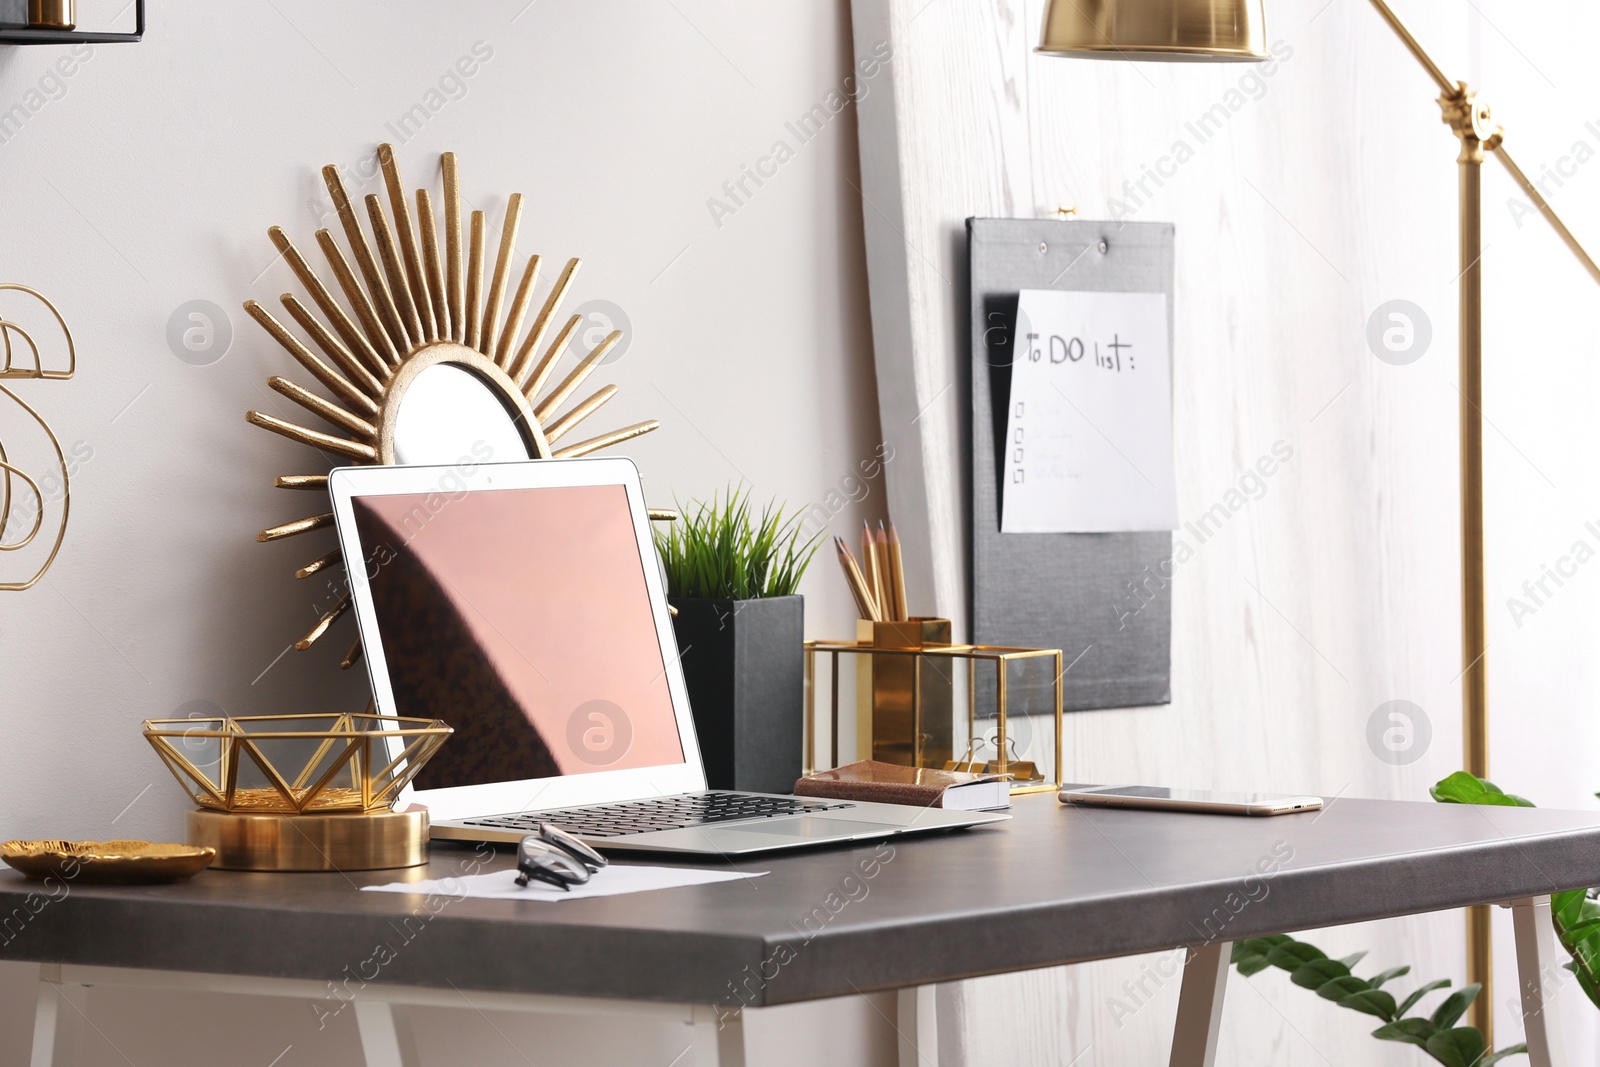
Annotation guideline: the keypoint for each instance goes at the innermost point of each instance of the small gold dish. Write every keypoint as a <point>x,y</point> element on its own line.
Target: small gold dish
<point>107,862</point>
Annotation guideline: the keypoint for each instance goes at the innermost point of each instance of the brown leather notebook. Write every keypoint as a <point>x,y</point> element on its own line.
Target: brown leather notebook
<point>890,783</point>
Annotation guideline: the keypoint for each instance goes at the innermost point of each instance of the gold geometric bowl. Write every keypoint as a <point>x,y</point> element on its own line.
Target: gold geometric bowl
<point>107,862</point>
<point>294,764</point>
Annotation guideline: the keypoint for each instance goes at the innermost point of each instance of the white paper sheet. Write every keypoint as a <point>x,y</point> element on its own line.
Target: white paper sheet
<point>1089,421</point>
<point>608,882</point>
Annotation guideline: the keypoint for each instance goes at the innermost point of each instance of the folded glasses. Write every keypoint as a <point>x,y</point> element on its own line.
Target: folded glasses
<point>556,858</point>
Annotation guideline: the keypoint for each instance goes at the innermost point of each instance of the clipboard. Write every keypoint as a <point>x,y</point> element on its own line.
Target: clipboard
<point>1104,599</point>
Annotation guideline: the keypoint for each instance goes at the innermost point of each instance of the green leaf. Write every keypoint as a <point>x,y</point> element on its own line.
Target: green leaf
<point>1461,1047</point>
<point>1339,988</point>
<point>1372,1001</point>
<point>1463,787</point>
<point>1495,1057</point>
<point>1566,909</point>
<point>1313,974</point>
<point>1253,965</point>
<point>1265,944</point>
<point>1292,955</point>
<point>1384,976</point>
<point>1410,1002</point>
<point>1412,1031</point>
<point>1455,1006</point>
<point>1351,960</point>
<point>1580,930</point>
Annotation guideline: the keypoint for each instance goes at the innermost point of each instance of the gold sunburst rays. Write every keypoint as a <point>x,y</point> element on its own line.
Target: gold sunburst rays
<point>411,302</point>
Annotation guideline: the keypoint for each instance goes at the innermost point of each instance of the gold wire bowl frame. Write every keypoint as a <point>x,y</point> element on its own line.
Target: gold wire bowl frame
<point>1001,656</point>
<point>349,771</point>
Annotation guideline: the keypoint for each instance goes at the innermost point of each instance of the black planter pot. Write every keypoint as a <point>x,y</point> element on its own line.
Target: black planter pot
<point>744,665</point>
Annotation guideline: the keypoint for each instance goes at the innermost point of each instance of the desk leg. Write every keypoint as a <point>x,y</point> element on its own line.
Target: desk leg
<point>386,1038</point>
<point>58,1019</point>
<point>1539,971</point>
<point>716,1039</point>
<point>918,1026</point>
<point>1205,978</point>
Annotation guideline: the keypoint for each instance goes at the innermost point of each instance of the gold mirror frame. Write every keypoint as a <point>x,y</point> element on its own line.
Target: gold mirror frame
<point>486,370</point>
<point>413,309</point>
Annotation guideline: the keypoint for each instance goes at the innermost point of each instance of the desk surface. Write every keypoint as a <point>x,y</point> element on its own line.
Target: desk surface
<point>1054,885</point>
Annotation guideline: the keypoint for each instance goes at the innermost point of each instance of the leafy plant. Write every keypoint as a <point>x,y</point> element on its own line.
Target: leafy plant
<point>1436,1034</point>
<point>1464,788</point>
<point>1575,914</point>
<point>720,551</point>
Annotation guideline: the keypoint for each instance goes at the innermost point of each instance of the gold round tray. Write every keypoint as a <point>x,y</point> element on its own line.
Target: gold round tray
<point>107,862</point>
<point>370,841</point>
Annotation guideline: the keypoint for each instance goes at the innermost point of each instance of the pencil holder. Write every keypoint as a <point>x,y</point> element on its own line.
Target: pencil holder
<point>906,676</point>
<point>909,701</point>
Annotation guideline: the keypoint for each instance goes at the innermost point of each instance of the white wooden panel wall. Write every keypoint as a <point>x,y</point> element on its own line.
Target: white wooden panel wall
<point>1328,189</point>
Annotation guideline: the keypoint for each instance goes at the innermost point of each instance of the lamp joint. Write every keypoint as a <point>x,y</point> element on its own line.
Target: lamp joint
<point>1471,119</point>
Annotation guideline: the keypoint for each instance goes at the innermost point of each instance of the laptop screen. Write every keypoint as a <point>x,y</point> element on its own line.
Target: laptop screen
<point>521,618</point>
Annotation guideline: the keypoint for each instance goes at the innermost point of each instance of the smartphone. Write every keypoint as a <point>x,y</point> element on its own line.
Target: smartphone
<point>1162,799</point>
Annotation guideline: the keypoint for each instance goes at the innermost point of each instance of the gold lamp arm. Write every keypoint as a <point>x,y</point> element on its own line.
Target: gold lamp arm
<point>1434,71</point>
<point>1548,212</point>
<point>1458,91</point>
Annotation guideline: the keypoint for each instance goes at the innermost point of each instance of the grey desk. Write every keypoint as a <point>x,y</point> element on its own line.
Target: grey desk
<point>1055,885</point>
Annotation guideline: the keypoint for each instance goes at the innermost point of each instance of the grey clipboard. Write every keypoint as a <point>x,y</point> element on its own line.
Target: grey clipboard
<point>1097,597</point>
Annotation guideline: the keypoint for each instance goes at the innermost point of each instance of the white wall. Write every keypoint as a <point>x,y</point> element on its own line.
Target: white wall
<point>1332,190</point>
<point>150,181</point>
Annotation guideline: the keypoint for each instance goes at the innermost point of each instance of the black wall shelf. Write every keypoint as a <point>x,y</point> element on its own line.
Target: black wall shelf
<point>20,37</point>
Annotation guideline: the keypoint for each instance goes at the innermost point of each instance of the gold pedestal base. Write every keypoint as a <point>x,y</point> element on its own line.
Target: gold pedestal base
<point>374,841</point>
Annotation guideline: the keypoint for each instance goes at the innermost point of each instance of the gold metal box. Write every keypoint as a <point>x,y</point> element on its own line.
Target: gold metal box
<point>906,711</point>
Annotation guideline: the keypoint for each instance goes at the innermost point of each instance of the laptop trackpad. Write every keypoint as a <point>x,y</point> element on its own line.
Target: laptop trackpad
<point>813,828</point>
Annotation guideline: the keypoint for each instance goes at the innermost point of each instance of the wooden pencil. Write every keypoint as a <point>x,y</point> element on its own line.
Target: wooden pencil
<point>853,578</point>
<point>897,572</point>
<point>872,569</point>
<point>880,555</point>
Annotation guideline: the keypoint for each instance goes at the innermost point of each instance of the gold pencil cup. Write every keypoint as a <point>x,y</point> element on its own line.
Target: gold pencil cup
<point>912,698</point>
<point>52,14</point>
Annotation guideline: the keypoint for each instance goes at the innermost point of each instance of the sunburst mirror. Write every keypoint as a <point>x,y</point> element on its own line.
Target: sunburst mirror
<point>423,367</point>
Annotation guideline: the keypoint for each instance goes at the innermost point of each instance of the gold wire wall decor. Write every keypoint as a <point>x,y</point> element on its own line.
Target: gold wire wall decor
<point>414,303</point>
<point>15,366</point>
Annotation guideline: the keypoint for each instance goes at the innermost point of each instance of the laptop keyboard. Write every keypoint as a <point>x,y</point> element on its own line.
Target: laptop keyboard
<point>662,813</point>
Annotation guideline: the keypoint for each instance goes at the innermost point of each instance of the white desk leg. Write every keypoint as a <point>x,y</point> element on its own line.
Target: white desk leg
<point>715,1040</point>
<point>1539,971</point>
<point>386,1038</point>
<point>58,1019</point>
<point>1205,978</point>
<point>918,1026</point>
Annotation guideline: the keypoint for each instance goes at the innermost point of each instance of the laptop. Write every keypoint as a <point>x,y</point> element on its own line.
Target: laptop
<point>524,604</point>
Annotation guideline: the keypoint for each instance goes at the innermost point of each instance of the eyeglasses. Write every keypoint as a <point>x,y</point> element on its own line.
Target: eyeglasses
<point>556,858</point>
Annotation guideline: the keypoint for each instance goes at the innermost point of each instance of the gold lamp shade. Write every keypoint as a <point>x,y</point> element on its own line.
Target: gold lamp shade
<point>1164,30</point>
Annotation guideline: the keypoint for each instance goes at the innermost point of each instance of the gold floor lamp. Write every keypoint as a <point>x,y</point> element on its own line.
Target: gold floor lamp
<point>1235,30</point>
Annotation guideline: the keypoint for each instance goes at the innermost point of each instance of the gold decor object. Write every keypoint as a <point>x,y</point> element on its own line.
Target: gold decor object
<point>911,698</point>
<point>52,14</point>
<point>16,366</point>
<point>1171,30</point>
<point>326,842</point>
<point>294,764</point>
<point>905,675</point>
<point>1104,28</point>
<point>107,862</point>
<point>420,309</point>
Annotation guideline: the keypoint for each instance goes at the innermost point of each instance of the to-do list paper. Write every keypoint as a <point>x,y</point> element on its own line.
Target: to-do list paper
<point>1089,423</point>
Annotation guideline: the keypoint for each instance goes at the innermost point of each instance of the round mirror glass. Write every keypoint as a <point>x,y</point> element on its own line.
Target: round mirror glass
<point>449,413</point>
